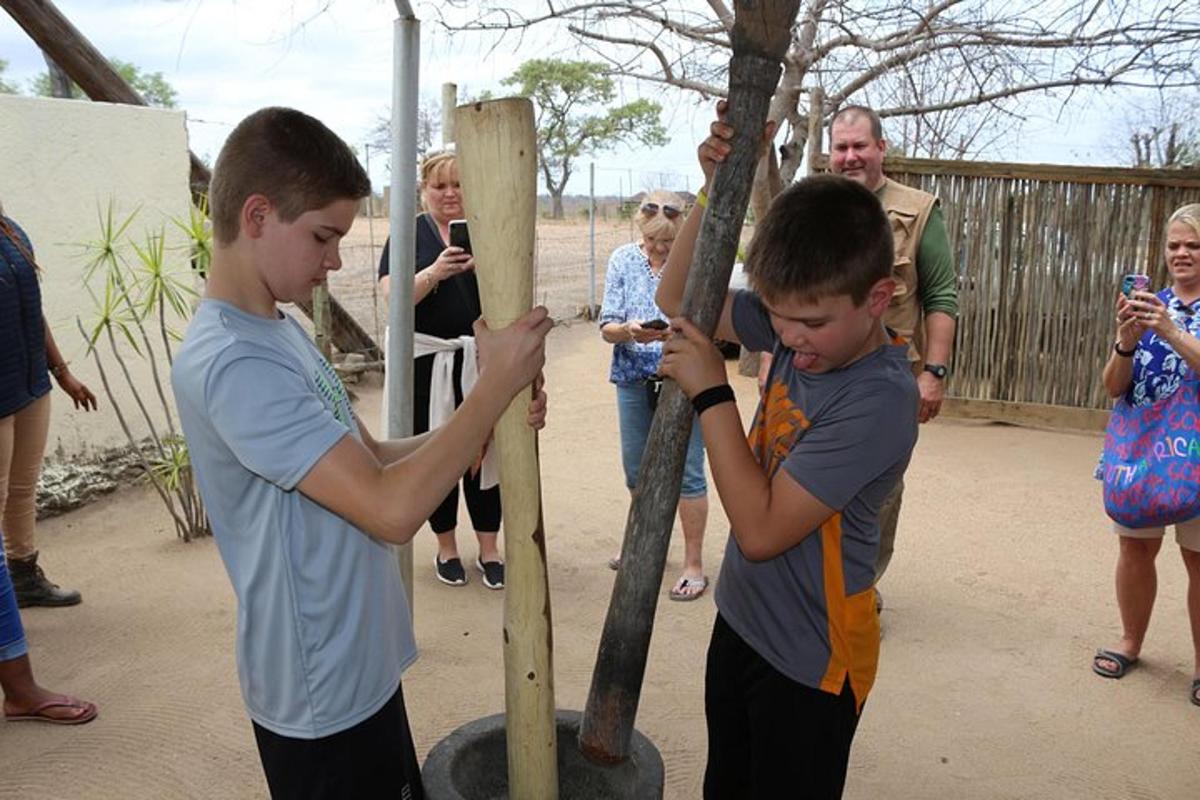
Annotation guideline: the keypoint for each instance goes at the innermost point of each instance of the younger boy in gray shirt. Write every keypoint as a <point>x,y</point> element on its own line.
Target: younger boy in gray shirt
<point>796,641</point>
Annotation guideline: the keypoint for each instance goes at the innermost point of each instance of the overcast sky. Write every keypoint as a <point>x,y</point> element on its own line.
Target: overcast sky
<point>227,58</point>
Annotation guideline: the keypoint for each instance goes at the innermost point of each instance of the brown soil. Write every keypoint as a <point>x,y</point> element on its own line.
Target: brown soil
<point>1000,591</point>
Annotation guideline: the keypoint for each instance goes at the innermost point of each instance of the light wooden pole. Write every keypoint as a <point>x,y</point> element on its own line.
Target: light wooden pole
<point>760,38</point>
<point>497,165</point>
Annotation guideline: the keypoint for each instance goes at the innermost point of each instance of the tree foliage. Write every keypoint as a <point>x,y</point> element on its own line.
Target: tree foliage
<point>957,70</point>
<point>152,86</point>
<point>1167,134</point>
<point>576,116</point>
<point>5,86</point>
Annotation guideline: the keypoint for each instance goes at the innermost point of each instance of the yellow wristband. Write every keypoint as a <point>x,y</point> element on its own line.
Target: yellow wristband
<point>702,198</point>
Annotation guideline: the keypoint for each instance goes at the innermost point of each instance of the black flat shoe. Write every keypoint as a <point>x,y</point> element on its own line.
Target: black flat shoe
<point>450,572</point>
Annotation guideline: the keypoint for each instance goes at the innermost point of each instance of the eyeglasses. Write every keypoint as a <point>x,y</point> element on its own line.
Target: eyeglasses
<point>669,211</point>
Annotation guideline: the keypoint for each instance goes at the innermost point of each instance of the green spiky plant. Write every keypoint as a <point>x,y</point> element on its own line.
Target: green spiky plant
<point>134,296</point>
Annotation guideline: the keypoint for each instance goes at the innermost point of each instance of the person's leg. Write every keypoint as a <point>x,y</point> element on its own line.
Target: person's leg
<point>1188,537</point>
<point>889,517</point>
<point>23,697</point>
<point>693,518</point>
<point>375,758</point>
<point>1137,586</point>
<point>773,737</point>
<point>483,505</point>
<point>634,416</point>
<point>444,522</point>
<point>31,426</point>
<point>801,737</point>
<point>727,771</point>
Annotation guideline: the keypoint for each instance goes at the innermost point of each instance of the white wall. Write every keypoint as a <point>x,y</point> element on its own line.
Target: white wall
<point>61,162</point>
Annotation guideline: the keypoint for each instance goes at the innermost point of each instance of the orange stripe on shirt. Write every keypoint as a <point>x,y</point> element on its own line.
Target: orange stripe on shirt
<point>853,622</point>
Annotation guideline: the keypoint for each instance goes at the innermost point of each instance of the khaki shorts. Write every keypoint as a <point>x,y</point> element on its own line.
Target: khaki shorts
<point>1187,534</point>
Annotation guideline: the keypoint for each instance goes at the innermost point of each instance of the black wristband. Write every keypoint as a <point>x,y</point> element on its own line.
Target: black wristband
<point>1123,353</point>
<point>712,396</point>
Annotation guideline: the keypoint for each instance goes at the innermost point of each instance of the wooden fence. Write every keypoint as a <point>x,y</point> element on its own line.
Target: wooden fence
<point>1040,251</point>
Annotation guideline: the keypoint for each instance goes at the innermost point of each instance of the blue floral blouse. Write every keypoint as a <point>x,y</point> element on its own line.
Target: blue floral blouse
<point>629,288</point>
<point>1157,368</point>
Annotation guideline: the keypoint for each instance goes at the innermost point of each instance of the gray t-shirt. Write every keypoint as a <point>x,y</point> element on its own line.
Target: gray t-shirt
<point>323,630</point>
<point>846,437</point>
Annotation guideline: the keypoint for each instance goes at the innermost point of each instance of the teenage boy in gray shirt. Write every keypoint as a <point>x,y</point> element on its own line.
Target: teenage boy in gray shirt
<point>303,501</point>
<point>796,642</point>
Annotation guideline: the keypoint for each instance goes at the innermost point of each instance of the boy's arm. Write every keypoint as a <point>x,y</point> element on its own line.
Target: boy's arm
<point>669,296</point>
<point>391,501</point>
<point>767,516</point>
<point>389,451</point>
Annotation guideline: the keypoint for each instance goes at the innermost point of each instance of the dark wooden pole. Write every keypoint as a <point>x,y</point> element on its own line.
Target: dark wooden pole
<point>761,35</point>
<point>62,43</point>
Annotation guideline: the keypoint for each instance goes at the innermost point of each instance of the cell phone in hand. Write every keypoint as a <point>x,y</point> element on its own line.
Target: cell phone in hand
<point>459,237</point>
<point>656,324</point>
<point>1136,282</point>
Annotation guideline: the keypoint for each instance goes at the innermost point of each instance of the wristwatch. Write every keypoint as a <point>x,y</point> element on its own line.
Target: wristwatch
<point>938,371</point>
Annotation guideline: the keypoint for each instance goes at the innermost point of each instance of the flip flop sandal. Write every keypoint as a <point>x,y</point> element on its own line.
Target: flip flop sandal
<point>1195,695</point>
<point>87,712</point>
<point>1124,664</point>
<point>680,590</point>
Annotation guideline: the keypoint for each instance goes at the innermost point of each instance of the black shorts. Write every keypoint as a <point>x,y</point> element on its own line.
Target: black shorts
<point>768,736</point>
<point>375,758</point>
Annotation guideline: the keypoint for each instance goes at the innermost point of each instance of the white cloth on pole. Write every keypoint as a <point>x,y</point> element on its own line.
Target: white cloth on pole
<point>441,390</point>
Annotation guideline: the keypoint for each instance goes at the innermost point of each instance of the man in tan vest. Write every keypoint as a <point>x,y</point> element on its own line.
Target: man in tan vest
<point>925,303</point>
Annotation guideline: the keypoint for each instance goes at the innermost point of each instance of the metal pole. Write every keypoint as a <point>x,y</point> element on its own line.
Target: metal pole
<point>406,61</point>
<point>371,246</point>
<point>592,312</point>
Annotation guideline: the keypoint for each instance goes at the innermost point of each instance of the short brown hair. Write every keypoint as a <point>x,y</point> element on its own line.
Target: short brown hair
<point>850,113</point>
<point>291,158</point>
<point>822,237</point>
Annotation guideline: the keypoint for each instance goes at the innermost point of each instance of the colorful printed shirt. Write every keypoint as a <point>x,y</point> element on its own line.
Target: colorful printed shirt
<point>1157,368</point>
<point>845,436</point>
<point>629,288</point>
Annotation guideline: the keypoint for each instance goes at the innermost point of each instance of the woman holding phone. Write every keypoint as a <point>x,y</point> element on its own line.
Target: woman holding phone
<point>446,294</point>
<point>636,327</point>
<point>1156,345</point>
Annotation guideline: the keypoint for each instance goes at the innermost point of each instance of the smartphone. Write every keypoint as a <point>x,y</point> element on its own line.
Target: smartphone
<point>1135,282</point>
<point>656,324</point>
<point>459,237</point>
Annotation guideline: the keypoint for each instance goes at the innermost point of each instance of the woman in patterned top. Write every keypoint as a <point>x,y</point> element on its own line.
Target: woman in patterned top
<point>1156,346</point>
<point>630,320</point>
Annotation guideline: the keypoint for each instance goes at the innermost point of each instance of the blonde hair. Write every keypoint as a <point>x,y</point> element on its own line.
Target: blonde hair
<point>434,165</point>
<point>1189,215</point>
<point>658,224</point>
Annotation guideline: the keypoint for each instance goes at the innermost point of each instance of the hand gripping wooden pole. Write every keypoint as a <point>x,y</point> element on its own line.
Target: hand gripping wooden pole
<point>761,35</point>
<point>497,165</point>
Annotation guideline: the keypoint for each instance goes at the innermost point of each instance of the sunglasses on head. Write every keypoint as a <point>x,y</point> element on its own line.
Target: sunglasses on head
<point>669,211</point>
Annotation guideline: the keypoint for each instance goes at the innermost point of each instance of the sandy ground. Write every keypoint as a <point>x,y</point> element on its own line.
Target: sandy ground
<point>1000,590</point>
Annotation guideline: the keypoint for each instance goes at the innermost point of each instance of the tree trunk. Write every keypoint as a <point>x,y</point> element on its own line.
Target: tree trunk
<point>556,206</point>
<point>762,31</point>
